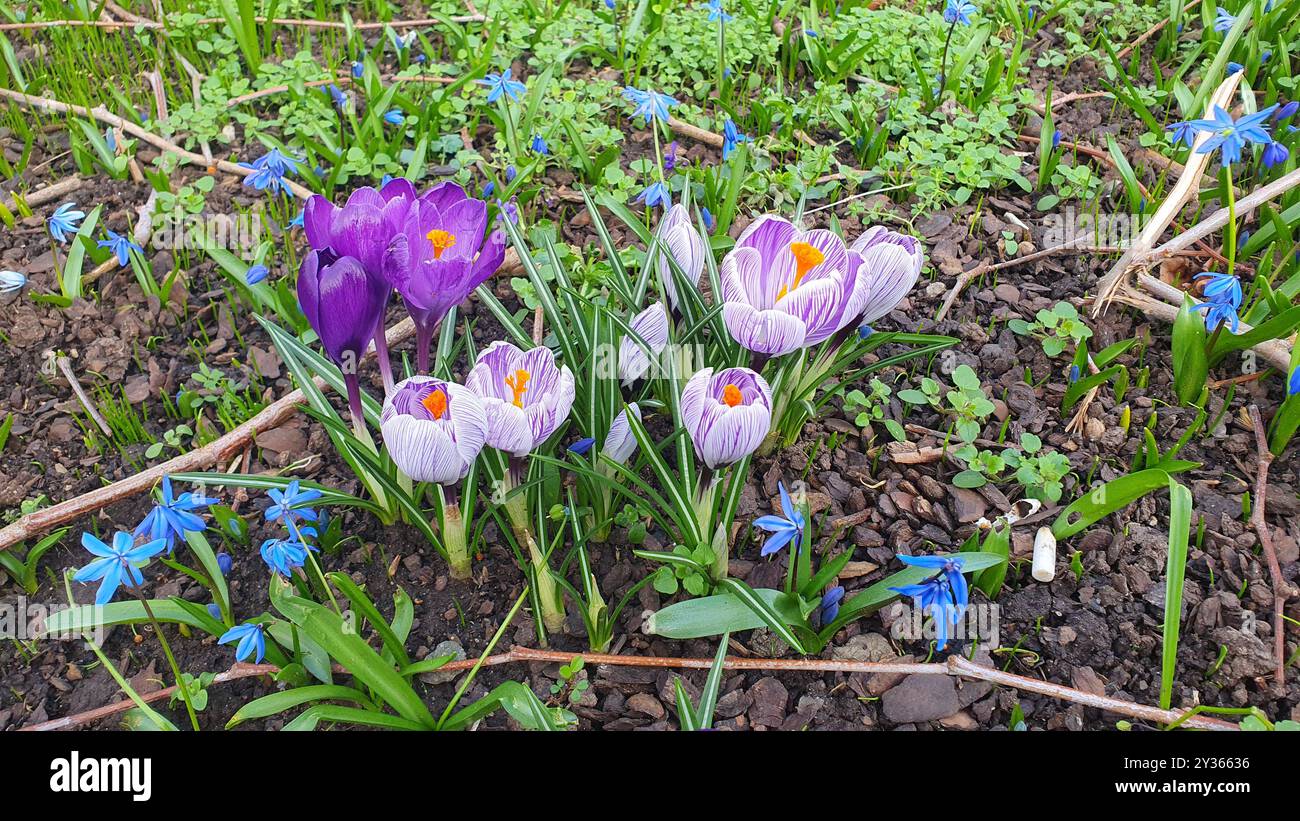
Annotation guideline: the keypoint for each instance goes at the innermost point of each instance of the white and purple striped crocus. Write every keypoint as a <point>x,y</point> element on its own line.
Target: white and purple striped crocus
<point>784,288</point>
<point>362,229</point>
<point>677,236</point>
<point>525,394</point>
<point>620,443</point>
<point>439,256</point>
<point>651,325</point>
<point>892,263</point>
<point>727,413</point>
<point>345,306</point>
<point>433,429</point>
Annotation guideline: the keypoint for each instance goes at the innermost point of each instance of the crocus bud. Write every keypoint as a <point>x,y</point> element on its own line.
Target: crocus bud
<point>679,238</point>
<point>651,325</point>
<point>620,444</point>
<point>892,263</point>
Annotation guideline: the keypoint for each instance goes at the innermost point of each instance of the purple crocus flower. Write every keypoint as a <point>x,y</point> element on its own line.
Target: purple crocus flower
<point>362,228</point>
<point>678,237</point>
<point>784,288</point>
<point>651,325</point>
<point>439,256</point>
<point>620,443</point>
<point>892,263</point>
<point>344,305</point>
<point>525,394</point>
<point>433,429</point>
<point>727,413</point>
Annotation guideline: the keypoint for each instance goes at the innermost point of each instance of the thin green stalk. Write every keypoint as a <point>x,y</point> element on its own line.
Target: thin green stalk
<point>171,659</point>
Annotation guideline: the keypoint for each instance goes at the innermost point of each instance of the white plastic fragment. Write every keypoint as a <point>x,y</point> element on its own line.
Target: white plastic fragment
<point>1044,569</point>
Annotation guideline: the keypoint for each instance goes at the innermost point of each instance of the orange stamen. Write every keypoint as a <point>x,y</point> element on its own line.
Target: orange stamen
<point>442,240</point>
<point>518,382</point>
<point>732,396</point>
<point>435,403</point>
<point>806,258</point>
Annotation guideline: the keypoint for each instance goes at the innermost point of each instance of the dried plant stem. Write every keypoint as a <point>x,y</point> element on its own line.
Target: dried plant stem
<point>143,23</point>
<point>65,367</point>
<point>47,194</point>
<point>955,666</point>
<point>1281,590</point>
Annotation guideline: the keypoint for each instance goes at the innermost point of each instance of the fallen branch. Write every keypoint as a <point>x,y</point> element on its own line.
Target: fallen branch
<point>142,23</point>
<point>955,666</point>
<point>1281,590</point>
<point>65,367</point>
<point>47,194</point>
<point>102,114</point>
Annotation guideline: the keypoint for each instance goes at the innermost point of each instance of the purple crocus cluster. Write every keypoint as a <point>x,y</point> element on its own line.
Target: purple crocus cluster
<point>433,248</point>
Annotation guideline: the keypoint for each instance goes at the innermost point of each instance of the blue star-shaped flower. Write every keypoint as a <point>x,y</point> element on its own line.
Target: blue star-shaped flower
<point>394,117</point>
<point>121,246</point>
<point>1223,19</point>
<point>250,637</point>
<point>716,12</point>
<point>1184,132</point>
<point>731,137</point>
<point>656,194</point>
<point>828,608</point>
<point>1274,154</point>
<point>944,597</point>
<point>283,555</point>
<point>498,84</point>
<point>289,504</point>
<point>116,563</point>
<point>1221,288</point>
<point>539,146</point>
<point>11,283</point>
<point>581,446</point>
<point>783,530</point>
<point>256,274</point>
<point>649,104</point>
<point>65,220</point>
<point>173,516</point>
<point>958,11</point>
<point>1230,136</point>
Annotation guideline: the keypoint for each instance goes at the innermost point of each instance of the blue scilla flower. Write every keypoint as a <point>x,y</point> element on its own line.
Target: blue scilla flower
<point>1223,20</point>
<point>214,611</point>
<point>290,504</point>
<point>173,516</point>
<point>283,555</point>
<point>828,608</point>
<point>1293,386</point>
<point>511,173</point>
<point>300,220</point>
<point>731,138</point>
<point>1220,287</point>
<point>278,162</point>
<point>1233,68</point>
<point>256,274</point>
<point>394,117</point>
<point>336,95</point>
<point>1184,132</point>
<point>358,69</point>
<point>250,638</point>
<point>116,563</point>
<point>401,43</point>
<point>649,104</point>
<point>958,11</point>
<point>121,246</point>
<point>1056,139</point>
<point>508,210</point>
<point>65,220</point>
<point>656,194</point>
<point>1230,136</point>
<point>610,4</point>
<point>581,446</point>
<point>1274,154</point>
<point>670,156</point>
<point>11,284</point>
<point>944,597</point>
<point>709,222</point>
<point>539,146</point>
<point>1074,374</point>
<point>498,84</point>
<point>224,563</point>
<point>783,529</point>
<point>1286,111</point>
<point>716,12</point>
